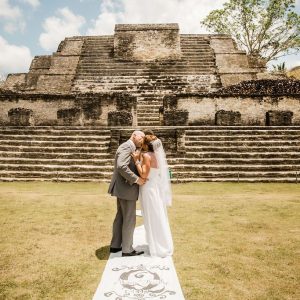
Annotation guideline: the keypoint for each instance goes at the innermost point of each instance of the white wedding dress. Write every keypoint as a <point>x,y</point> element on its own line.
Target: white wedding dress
<point>154,211</point>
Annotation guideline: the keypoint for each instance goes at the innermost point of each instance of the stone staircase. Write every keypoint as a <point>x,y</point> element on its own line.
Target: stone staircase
<point>213,153</point>
<point>246,153</point>
<point>148,111</point>
<point>55,154</point>
<point>149,81</point>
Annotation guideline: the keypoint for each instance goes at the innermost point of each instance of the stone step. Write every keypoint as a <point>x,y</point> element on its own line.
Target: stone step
<point>240,168</point>
<point>61,168</point>
<point>244,143</point>
<point>148,113</point>
<point>82,78</point>
<point>102,64</point>
<point>233,161</point>
<point>58,179</point>
<point>147,116</point>
<point>235,174</point>
<point>53,175</point>
<point>145,102</point>
<point>58,144</point>
<point>244,132</point>
<point>146,123</point>
<point>241,148</point>
<point>55,149</point>
<point>234,129</point>
<point>56,161</point>
<point>235,179</point>
<point>116,73</point>
<point>138,87</point>
<point>187,58</point>
<point>199,138</point>
<point>15,153</point>
<point>148,109</point>
<point>243,154</point>
<point>58,132</point>
<point>146,71</point>
<point>161,71</point>
<point>61,138</point>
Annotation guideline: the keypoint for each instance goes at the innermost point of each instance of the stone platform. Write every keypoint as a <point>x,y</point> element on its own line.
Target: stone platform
<point>195,153</point>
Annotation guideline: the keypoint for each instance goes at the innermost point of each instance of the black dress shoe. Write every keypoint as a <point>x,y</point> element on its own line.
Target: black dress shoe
<point>133,253</point>
<point>115,250</point>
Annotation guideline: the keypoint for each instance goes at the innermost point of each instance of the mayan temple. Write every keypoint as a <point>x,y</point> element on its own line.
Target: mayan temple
<point>219,114</point>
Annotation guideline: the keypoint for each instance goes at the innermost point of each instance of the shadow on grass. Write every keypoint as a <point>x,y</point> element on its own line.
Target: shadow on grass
<point>103,253</point>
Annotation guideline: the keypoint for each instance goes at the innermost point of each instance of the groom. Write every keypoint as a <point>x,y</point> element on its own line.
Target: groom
<point>125,186</point>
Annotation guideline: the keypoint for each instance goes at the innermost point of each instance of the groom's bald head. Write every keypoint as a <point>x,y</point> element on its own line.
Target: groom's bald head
<point>137,137</point>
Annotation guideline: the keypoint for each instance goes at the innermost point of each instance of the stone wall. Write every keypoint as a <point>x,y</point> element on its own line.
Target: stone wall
<point>147,42</point>
<point>203,109</point>
<point>91,109</point>
<point>255,102</point>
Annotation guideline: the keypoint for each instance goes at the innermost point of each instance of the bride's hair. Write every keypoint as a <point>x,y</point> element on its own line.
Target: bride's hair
<point>147,142</point>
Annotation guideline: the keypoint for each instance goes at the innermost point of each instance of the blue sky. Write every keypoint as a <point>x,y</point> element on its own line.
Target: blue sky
<point>35,27</point>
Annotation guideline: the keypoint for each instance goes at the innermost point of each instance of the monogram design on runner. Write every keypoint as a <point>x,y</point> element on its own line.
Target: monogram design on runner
<point>140,282</point>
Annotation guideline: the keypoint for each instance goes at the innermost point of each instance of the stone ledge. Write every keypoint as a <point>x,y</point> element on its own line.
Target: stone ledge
<point>141,27</point>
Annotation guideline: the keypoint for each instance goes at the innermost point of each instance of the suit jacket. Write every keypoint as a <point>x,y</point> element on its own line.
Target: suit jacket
<point>125,174</point>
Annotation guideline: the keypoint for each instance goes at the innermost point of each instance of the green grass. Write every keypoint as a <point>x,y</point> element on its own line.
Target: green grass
<point>232,240</point>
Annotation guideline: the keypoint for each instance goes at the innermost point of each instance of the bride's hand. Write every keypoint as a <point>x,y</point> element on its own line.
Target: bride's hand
<point>135,155</point>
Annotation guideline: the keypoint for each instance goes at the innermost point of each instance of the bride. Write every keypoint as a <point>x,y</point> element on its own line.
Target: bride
<point>155,195</point>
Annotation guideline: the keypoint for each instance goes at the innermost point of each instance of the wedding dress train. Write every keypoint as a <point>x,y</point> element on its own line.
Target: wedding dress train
<point>158,232</point>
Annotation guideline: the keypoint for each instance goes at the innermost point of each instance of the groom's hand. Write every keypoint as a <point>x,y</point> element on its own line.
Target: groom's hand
<point>141,181</point>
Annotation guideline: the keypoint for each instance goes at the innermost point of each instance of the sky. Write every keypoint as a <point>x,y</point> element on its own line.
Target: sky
<point>36,27</point>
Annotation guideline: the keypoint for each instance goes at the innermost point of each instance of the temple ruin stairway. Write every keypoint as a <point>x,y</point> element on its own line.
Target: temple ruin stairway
<point>99,71</point>
<point>212,153</point>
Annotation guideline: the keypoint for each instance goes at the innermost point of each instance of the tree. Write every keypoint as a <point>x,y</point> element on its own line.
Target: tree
<point>266,29</point>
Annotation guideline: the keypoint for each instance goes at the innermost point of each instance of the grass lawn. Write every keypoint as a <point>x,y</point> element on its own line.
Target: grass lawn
<point>232,240</point>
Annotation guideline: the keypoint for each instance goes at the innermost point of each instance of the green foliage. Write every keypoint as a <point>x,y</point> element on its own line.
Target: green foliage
<point>279,68</point>
<point>267,29</point>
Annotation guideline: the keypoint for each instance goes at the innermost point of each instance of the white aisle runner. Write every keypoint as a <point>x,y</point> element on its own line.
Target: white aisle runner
<point>139,277</point>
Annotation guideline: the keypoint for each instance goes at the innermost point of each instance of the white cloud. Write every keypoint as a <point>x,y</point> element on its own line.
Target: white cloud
<point>188,13</point>
<point>33,3</point>
<point>57,28</point>
<point>11,17</point>
<point>8,11</point>
<point>13,58</point>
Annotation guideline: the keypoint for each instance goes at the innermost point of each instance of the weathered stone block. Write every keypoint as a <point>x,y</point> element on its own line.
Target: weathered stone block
<point>231,62</point>
<point>41,62</point>
<point>169,102</point>
<point>223,44</point>
<point>92,110</point>
<point>120,118</point>
<point>228,79</point>
<point>71,46</point>
<point>279,118</point>
<point>54,83</point>
<point>126,102</point>
<point>69,116</point>
<point>15,82</point>
<point>176,117</point>
<point>64,64</point>
<point>20,116</point>
<point>228,118</point>
<point>147,42</point>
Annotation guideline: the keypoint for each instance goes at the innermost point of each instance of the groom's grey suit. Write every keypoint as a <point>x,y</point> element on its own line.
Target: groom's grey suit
<point>123,186</point>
